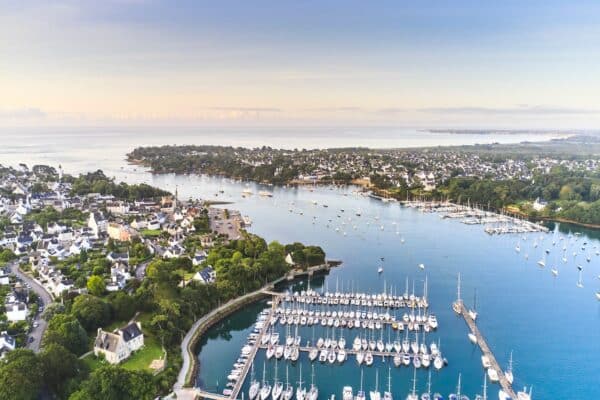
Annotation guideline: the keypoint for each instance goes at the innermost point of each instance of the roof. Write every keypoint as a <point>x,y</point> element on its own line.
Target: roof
<point>131,331</point>
<point>107,341</point>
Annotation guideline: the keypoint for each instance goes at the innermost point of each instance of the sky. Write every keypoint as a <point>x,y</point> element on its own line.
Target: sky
<point>458,63</point>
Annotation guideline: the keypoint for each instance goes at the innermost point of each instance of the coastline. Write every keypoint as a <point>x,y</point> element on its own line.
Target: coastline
<point>189,369</point>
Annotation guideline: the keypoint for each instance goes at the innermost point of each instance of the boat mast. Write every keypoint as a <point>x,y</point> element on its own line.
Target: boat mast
<point>484,386</point>
<point>414,389</point>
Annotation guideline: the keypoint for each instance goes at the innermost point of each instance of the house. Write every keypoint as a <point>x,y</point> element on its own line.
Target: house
<point>4,277</point>
<point>539,205</point>
<point>174,251</point>
<point>206,276</point>
<point>16,310</point>
<point>118,257</point>
<point>98,223</point>
<point>119,276</point>
<point>118,345</point>
<point>59,284</point>
<point>7,343</point>
<point>199,258</point>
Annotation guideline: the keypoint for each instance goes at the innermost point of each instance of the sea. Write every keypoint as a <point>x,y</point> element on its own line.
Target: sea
<point>549,324</point>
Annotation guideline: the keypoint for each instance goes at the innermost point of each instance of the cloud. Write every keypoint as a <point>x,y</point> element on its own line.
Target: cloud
<point>519,109</point>
<point>22,113</point>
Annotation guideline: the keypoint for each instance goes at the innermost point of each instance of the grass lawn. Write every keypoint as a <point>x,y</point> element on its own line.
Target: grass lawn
<point>151,233</point>
<point>141,359</point>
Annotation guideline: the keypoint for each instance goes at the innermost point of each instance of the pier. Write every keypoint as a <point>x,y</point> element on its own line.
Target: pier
<point>485,349</point>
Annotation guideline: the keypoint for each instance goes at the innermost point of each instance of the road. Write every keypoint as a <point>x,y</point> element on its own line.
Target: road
<point>36,333</point>
<point>140,271</point>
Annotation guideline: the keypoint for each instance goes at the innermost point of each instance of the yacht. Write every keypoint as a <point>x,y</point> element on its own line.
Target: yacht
<point>313,354</point>
<point>360,357</point>
<point>265,389</point>
<point>485,361</point>
<point>288,393</point>
<point>421,266</point>
<point>598,295</point>
<point>277,386</point>
<point>484,395</point>
<point>413,395</point>
<point>361,394</point>
<point>509,373</point>
<point>387,395</point>
<point>300,391</point>
<point>375,394</point>
<point>347,393</point>
<point>523,395</point>
<point>254,385</point>
<point>472,338</point>
<point>457,305</point>
<point>369,358</point>
<point>313,393</point>
<point>427,395</point>
<point>457,395</point>
<point>493,375</point>
<point>341,356</point>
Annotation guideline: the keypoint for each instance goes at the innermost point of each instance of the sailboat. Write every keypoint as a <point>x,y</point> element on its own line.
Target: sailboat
<point>254,385</point>
<point>579,281</point>
<point>473,312</point>
<point>427,395</point>
<point>265,389</point>
<point>523,395</point>
<point>277,385</point>
<point>598,295</point>
<point>484,395</point>
<point>300,391</point>
<point>457,395</point>
<point>413,395</point>
<point>509,373</point>
<point>347,393</point>
<point>387,395</point>
<point>288,393</point>
<point>542,262</point>
<point>421,266</point>
<point>313,393</point>
<point>361,394</point>
<point>457,305</point>
<point>375,394</point>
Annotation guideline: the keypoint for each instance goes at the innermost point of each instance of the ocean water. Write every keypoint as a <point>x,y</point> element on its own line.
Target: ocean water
<point>550,325</point>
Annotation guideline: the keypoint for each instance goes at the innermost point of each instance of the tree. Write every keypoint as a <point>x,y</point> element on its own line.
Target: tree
<point>96,285</point>
<point>115,383</point>
<point>91,311</point>
<point>66,330</point>
<point>123,306</point>
<point>20,376</point>
<point>61,369</point>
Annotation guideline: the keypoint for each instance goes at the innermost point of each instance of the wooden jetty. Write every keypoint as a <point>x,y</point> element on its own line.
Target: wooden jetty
<point>485,349</point>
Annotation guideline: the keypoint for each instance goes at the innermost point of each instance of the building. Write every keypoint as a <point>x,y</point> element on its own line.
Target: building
<point>118,231</point>
<point>118,345</point>
<point>16,310</point>
<point>7,343</point>
<point>206,276</point>
<point>97,222</point>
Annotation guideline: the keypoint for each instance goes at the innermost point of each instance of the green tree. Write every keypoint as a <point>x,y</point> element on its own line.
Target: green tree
<point>61,369</point>
<point>91,311</point>
<point>66,330</point>
<point>20,376</point>
<point>115,383</point>
<point>96,285</point>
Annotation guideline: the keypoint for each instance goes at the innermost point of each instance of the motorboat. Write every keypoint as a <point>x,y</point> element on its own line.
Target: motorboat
<point>485,361</point>
<point>254,385</point>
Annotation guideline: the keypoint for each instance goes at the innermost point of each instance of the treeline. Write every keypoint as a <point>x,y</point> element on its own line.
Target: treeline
<point>97,182</point>
<point>167,310</point>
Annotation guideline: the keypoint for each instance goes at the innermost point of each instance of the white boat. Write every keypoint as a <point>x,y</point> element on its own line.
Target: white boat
<point>509,372</point>
<point>313,354</point>
<point>347,393</point>
<point>361,394</point>
<point>270,352</point>
<point>438,362</point>
<point>493,375</point>
<point>473,312</point>
<point>313,393</point>
<point>413,394</point>
<point>264,193</point>
<point>277,386</point>
<point>427,395</point>
<point>360,357</point>
<point>457,395</point>
<point>300,391</point>
<point>379,270</point>
<point>422,266</point>
<point>254,385</point>
<point>485,361</point>
<point>598,295</point>
<point>579,281</point>
<point>265,389</point>
<point>457,305</point>
<point>523,395</point>
<point>554,271</point>
<point>375,394</point>
<point>484,395</point>
<point>472,338</point>
<point>341,356</point>
<point>369,358</point>
<point>542,263</point>
<point>288,393</point>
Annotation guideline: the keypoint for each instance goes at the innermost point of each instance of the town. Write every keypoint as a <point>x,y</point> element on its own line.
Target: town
<point>64,247</point>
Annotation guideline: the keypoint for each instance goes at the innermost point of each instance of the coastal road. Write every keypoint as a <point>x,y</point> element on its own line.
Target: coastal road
<point>36,333</point>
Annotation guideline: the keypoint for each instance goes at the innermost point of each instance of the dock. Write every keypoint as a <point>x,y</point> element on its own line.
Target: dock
<point>485,349</point>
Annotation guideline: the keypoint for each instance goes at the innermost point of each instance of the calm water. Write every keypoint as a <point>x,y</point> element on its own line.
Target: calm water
<point>551,326</point>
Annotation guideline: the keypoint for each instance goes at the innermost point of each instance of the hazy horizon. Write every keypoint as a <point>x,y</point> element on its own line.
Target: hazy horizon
<point>508,65</point>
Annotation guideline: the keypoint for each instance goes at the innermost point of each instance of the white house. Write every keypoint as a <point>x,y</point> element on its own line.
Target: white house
<point>207,275</point>
<point>118,345</point>
<point>16,310</point>
<point>97,222</point>
<point>7,343</point>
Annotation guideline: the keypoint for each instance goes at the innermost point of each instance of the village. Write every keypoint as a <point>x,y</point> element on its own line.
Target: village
<point>55,244</point>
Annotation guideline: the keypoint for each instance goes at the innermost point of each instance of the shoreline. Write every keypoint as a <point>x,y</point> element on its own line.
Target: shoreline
<point>190,365</point>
